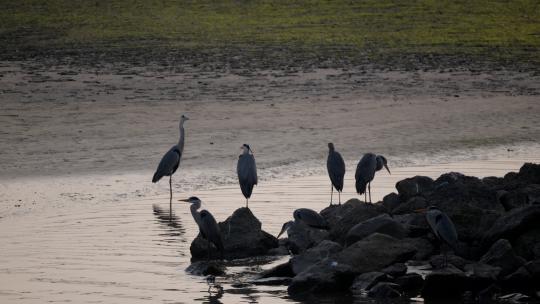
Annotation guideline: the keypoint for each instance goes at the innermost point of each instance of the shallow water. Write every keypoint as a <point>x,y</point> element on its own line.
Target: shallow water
<point>102,248</point>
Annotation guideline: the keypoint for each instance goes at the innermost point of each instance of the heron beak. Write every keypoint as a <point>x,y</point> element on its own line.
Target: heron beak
<point>386,166</point>
<point>283,229</point>
<point>184,200</point>
<point>421,210</point>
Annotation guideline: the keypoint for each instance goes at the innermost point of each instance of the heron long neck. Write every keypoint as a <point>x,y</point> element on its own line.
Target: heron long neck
<point>193,208</point>
<point>181,139</point>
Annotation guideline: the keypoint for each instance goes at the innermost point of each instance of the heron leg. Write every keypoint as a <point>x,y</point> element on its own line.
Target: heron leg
<point>170,197</point>
<point>331,193</point>
<point>365,196</point>
<point>247,203</point>
<point>339,195</point>
<point>369,188</point>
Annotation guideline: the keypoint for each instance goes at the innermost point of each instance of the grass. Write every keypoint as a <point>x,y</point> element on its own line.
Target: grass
<point>481,27</point>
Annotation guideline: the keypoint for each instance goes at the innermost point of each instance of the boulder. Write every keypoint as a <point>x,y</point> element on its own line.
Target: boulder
<point>242,236</point>
<point>272,281</point>
<point>411,283</point>
<point>527,245</point>
<point>512,224</point>
<point>204,268</point>
<point>410,205</point>
<point>502,255</point>
<point>342,218</point>
<point>325,249</point>
<point>281,270</point>
<point>521,280</point>
<point>481,275</point>
<point>414,186</point>
<point>367,280</point>
<point>529,173</point>
<point>415,223</point>
<point>424,248</point>
<point>302,237</point>
<point>520,197</point>
<point>326,276</point>
<point>375,252</point>
<point>391,201</point>
<point>395,270</point>
<point>446,283</point>
<point>440,261</point>
<point>382,224</point>
<point>385,290</point>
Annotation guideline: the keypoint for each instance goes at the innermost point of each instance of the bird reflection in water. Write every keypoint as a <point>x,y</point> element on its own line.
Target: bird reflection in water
<point>170,222</point>
<point>215,291</point>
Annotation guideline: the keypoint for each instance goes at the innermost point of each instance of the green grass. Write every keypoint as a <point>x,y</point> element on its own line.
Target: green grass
<point>507,28</point>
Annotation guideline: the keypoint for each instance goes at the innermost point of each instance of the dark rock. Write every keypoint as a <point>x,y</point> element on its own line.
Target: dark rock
<point>514,298</point>
<point>534,268</point>
<point>280,250</point>
<point>481,275</point>
<point>520,197</point>
<point>521,280</point>
<point>281,270</point>
<point>424,248</point>
<point>527,245</point>
<point>367,280</point>
<point>342,218</point>
<point>391,201</point>
<point>412,204</point>
<point>415,223</point>
<point>489,294</point>
<point>529,173</point>
<point>323,250</point>
<point>242,236</point>
<point>326,276</point>
<point>395,270</point>
<point>502,255</point>
<point>203,268</point>
<point>440,261</point>
<point>376,252</point>
<point>302,237</point>
<point>513,224</point>
<point>382,224</point>
<point>385,290</point>
<point>272,281</point>
<point>446,283</point>
<point>414,186</point>
<point>410,283</point>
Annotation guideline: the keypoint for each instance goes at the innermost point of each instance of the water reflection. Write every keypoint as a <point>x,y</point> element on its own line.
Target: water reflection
<point>171,224</point>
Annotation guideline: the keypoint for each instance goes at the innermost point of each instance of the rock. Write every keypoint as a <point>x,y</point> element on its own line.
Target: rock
<point>534,268</point>
<point>382,224</point>
<point>242,236</point>
<point>326,276</point>
<point>395,270</point>
<point>391,201</point>
<point>415,223</point>
<point>323,250</point>
<point>521,280</point>
<point>514,298</point>
<point>481,275</point>
<point>367,280</point>
<point>439,261</point>
<point>520,197</point>
<point>280,250</point>
<point>412,204</point>
<point>529,173</point>
<point>446,283</point>
<point>385,290</point>
<point>414,186</point>
<point>281,270</point>
<point>489,295</point>
<point>302,237</point>
<point>527,245</point>
<point>272,281</point>
<point>342,218</point>
<point>502,255</point>
<point>513,224</point>
<point>375,252</point>
<point>410,283</point>
<point>203,268</point>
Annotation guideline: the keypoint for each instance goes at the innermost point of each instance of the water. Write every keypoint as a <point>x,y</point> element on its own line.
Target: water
<point>102,247</point>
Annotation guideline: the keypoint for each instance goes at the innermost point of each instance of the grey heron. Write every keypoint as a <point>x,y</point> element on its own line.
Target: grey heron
<point>208,226</point>
<point>247,172</point>
<point>307,217</point>
<point>442,226</point>
<point>336,171</point>
<point>171,160</point>
<point>365,172</point>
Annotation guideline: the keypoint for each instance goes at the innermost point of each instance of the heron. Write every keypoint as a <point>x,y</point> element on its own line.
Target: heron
<point>307,217</point>
<point>365,172</point>
<point>336,171</point>
<point>171,161</point>
<point>247,172</point>
<point>208,226</point>
<point>442,226</point>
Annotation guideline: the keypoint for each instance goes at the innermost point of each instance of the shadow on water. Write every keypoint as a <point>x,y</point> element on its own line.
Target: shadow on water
<point>171,223</point>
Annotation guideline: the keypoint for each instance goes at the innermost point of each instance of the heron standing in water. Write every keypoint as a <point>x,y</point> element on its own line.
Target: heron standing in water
<point>208,226</point>
<point>365,172</point>
<point>336,171</point>
<point>171,161</point>
<point>247,172</point>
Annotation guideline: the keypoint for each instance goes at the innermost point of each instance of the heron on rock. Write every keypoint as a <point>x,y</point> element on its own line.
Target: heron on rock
<point>307,217</point>
<point>365,172</point>
<point>247,172</point>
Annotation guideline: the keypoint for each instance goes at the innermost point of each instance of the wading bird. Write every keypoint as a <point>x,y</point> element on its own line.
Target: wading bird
<point>171,160</point>
<point>442,226</point>
<point>336,171</point>
<point>208,226</point>
<point>307,217</point>
<point>365,172</point>
<point>247,172</point>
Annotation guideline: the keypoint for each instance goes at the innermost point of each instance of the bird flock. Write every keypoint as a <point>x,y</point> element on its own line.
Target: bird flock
<point>246,170</point>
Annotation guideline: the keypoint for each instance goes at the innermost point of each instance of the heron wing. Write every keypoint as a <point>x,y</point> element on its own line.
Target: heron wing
<point>311,218</point>
<point>168,164</point>
<point>210,229</point>
<point>336,169</point>
<point>247,173</point>
<point>446,229</point>
<point>365,171</point>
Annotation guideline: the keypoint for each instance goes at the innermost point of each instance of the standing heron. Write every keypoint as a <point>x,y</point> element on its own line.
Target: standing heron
<point>336,171</point>
<point>307,217</point>
<point>442,226</point>
<point>247,172</point>
<point>208,226</point>
<point>171,160</point>
<point>365,172</point>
